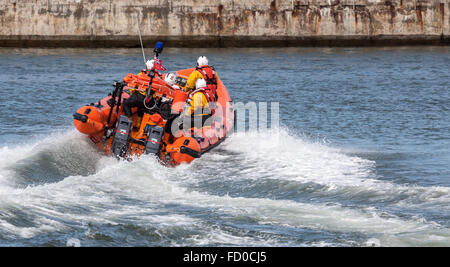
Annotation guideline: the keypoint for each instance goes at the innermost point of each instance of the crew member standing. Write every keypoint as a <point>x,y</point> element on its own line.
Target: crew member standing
<point>203,71</point>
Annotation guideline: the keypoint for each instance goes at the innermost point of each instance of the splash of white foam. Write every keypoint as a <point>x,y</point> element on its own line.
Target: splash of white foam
<point>99,198</point>
<point>277,154</point>
<point>73,242</point>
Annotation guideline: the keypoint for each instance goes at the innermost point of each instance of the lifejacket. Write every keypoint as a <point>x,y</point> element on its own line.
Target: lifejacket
<point>209,74</point>
<point>206,91</point>
<point>209,96</point>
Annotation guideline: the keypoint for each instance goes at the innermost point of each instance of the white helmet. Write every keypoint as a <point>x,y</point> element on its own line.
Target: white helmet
<point>170,78</point>
<point>149,64</point>
<point>202,60</point>
<point>200,83</point>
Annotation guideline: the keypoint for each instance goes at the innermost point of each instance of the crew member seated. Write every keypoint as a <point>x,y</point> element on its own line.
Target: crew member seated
<point>199,104</point>
<point>171,79</point>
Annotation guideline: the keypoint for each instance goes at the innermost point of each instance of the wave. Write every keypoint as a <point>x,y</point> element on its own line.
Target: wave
<point>323,171</point>
<point>269,180</point>
<point>48,160</point>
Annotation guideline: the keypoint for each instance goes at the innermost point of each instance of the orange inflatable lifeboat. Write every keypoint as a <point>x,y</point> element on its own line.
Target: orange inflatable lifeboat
<point>151,131</point>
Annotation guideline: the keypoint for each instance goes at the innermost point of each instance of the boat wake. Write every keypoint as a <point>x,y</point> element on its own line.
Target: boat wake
<point>269,188</point>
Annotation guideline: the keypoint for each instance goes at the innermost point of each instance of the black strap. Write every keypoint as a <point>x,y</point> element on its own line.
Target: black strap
<point>80,117</point>
<point>191,152</point>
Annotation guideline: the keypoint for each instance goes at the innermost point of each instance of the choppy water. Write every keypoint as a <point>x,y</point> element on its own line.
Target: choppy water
<point>361,156</point>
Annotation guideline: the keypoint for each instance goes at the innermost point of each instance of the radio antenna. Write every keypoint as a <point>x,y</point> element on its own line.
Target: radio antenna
<point>142,45</point>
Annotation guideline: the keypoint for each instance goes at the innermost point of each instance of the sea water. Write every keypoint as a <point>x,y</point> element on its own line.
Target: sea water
<point>360,156</point>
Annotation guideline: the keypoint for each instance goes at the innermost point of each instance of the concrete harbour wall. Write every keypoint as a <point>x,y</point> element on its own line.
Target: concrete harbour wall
<point>223,23</point>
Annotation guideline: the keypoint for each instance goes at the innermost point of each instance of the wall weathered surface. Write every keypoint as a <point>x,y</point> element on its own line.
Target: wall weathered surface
<point>224,22</point>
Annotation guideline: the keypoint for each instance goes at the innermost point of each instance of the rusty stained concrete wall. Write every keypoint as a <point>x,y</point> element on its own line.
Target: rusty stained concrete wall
<point>221,23</point>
